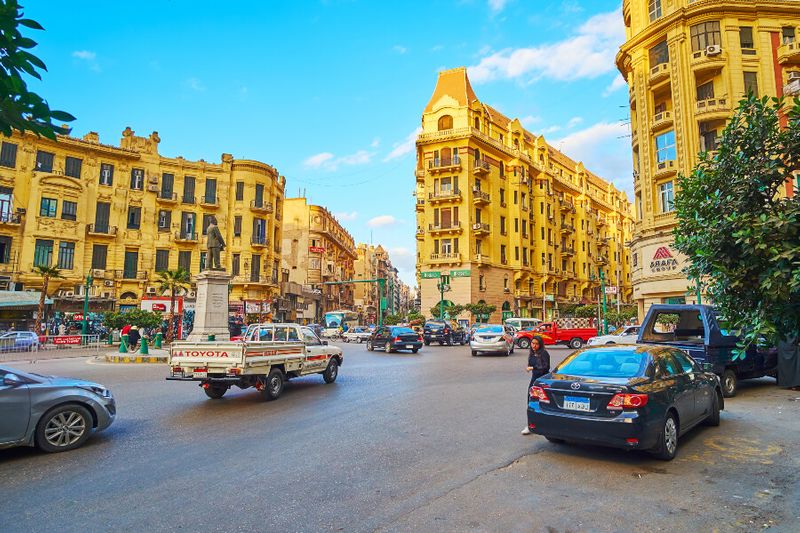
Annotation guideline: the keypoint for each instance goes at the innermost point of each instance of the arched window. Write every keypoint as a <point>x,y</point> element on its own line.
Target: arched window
<point>128,296</point>
<point>445,122</point>
<point>477,155</point>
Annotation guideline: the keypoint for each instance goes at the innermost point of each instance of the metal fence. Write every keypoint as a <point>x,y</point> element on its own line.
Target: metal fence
<point>25,345</point>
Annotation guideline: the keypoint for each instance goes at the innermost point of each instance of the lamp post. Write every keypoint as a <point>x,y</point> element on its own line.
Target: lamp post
<point>85,326</point>
<point>603,291</point>
<point>443,288</point>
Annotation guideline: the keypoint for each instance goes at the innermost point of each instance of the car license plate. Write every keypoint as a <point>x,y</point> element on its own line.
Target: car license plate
<point>200,374</point>
<point>576,403</point>
<point>409,347</point>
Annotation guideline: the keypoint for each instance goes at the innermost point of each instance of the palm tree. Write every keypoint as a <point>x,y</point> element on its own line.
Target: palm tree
<point>173,281</point>
<point>47,273</point>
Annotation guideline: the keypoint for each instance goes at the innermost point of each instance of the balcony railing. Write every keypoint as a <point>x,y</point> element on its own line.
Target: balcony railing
<point>792,88</point>
<point>10,218</point>
<point>789,53</point>
<point>442,195</point>
<point>567,227</point>
<point>713,105</point>
<point>709,59</point>
<point>261,206</point>
<point>665,167</point>
<point>101,229</point>
<point>259,241</point>
<point>454,226</point>
<point>207,201</point>
<point>130,274</point>
<point>481,166</point>
<point>420,205</point>
<point>659,72</point>
<point>661,120</point>
<point>185,236</point>
<point>167,197</point>
<point>445,164</point>
<point>446,257</point>
<point>568,251</point>
<point>480,228</point>
<point>188,199</point>
<point>480,197</point>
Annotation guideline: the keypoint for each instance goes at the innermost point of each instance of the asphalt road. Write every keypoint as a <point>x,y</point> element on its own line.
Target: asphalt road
<point>427,442</point>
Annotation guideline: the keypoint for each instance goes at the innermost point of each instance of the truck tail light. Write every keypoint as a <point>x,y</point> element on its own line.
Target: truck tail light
<point>539,395</point>
<point>627,401</point>
<point>176,370</point>
<point>200,370</point>
<point>235,371</point>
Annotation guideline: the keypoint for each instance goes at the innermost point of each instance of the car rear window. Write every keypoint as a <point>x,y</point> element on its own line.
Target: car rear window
<point>605,363</point>
<point>490,329</point>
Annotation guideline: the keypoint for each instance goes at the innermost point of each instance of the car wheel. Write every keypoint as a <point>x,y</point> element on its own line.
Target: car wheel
<point>730,383</point>
<point>512,349</point>
<point>667,439</point>
<point>63,428</point>
<point>332,371</point>
<point>474,353</point>
<point>370,347</point>
<point>360,340</point>
<point>215,392</point>
<point>713,418</point>
<point>427,343</point>
<point>610,342</point>
<point>524,343</point>
<point>414,350</point>
<point>274,385</point>
<point>575,343</point>
<point>555,440</point>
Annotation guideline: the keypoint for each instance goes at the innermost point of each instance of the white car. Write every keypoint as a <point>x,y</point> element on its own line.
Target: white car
<point>357,334</point>
<point>623,335</point>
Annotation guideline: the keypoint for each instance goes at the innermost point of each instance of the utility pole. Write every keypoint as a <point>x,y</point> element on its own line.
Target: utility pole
<point>85,325</point>
<point>442,289</point>
<point>603,290</point>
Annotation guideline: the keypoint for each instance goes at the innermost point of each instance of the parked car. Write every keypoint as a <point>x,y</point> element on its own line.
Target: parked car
<point>622,335</point>
<point>53,413</point>
<point>573,332</point>
<point>632,397</point>
<point>492,338</point>
<point>357,334</point>
<point>394,338</point>
<point>444,333</point>
<point>19,341</point>
<point>697,330</point>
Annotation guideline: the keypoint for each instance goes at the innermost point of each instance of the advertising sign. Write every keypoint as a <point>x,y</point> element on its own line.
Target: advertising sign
<point>67,339</point>
<point>611,289</point>
<point>549,297</point>
<point>77,317</point>
<point>253,307</point>
<point>159,307</point>
<point>430,275</point>
<point>663,261</point>
<point>316,249</point>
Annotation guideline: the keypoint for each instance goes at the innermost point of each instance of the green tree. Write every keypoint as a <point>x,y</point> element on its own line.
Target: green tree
<point>134,317</point>
<point>480,311</point>
<point>391,320</point>
<point>741,236</point>
<point>46,273</point>
<point>173,282</point>
<point>585,311</point>
<point>452,310</point>
<point>415,318</point>
<point>21,109</point>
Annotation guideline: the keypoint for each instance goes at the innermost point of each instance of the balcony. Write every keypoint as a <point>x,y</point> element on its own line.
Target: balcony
<point>207,201</point>
<point>10,219</point>
<point>665,168</point>
<point>712,58</point>
<point>259,241</point>
<point>420,205</point>
<point>185,236</point>
<point>446,195</point>
<point>450,257</point>
<point>420,174</point>
<point>661,121</point>
<point>659,73</point>
<point>713,107</point>
<point>260,206</point>
<point>601,259</point>
<point>188,200</point>
<point>481,167</point>
<point>567,228</point>
<point>420,233</point>
<point>101,230</point>
<point>139,275</point>
<point>480,228</point>
<point>453,227</point>
<point>445,165</point>
<point>792,88</point>
<point>601,221</point>
<point>566,205</point>
<point>481,259</point>
<point>479,197</point>
<point>167,197</point>
<point>568,251</point>
<point>789,54</point>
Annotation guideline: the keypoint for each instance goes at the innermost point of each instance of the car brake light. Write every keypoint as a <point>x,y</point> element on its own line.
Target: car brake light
<point>420,339</point>
<point>627,401</point>
<point>396,340</point>
<point>539,395</point>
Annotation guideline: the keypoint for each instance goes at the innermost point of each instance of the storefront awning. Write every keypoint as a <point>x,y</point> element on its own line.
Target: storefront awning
<point>21,299</point>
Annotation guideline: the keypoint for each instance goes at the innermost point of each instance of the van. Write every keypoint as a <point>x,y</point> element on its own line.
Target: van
<point>523,324</point>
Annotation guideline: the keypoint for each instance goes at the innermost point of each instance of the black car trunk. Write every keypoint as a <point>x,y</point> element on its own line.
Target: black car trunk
<point>580,396</point>
<point>406,337</point>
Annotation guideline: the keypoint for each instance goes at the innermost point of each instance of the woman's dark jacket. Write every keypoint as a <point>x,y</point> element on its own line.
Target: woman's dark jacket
<point>539,360</point>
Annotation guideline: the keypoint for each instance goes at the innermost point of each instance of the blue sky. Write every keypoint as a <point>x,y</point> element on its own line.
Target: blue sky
<point>331,92</point>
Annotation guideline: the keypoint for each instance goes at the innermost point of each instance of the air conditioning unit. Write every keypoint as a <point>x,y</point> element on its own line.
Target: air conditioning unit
<point>152,179</point>
<point>506,290</point>
<point>70,293</point>
<point>794,75</point>
<point>108,283</point>
<point>477,225</point>
<point>152,188</point>
<point>475,188</point>
<point>151,290</point>
<point>98,273</point>
<point>106,295</point>
<point>713,50</point>
<point>192,294</point>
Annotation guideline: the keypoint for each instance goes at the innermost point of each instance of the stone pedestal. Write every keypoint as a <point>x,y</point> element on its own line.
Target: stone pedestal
<point>211,309</point>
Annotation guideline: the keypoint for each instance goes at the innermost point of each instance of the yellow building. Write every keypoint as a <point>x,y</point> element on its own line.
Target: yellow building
<point>687,64</point>
<point>317,249</point>
<point>123,213</point>
<point>505,218</point>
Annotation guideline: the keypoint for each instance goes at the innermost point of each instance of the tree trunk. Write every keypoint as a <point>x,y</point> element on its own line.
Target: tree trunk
<point>40,314</point>
<point>171,324</point>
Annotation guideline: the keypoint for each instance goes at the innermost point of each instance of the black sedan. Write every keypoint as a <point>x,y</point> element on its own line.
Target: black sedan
<point>632,397</point>
<point>394,338</point>
<point>443,333</point>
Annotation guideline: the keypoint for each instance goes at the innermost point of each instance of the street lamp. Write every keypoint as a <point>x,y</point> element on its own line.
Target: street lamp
<point>443,288</point>
<point>85,326</point>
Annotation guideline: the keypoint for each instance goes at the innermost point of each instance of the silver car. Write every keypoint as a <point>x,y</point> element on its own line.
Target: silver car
<point>55,414</point>
<point>492,338</point>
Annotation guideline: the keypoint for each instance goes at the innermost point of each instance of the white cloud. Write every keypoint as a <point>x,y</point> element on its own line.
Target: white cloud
<point>329,161</point>
<point>529,120</point>
<point>574,121</point>
<point>497,5</point>
<point>399,49</point>
<point>405,146</point>
<point>618,83</point>
<point>550,129</point>
<point>587,54</point>
<point>316,161</point>
<point>88,57</point>
<point>361,157</point>
<point>437,48</point>
<point>375,142</point>
<point>347,216</point>
<point>195,85</point>
<point>405,261</point>
<point>381,220</point>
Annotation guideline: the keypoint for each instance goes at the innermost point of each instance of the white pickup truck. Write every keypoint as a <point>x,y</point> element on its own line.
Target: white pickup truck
<point>267,357</point>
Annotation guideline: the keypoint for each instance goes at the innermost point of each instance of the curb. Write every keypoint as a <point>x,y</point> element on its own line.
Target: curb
<point>135,358</point>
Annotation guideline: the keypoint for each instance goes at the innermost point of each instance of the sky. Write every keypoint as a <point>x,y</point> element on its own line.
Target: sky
<point>331,92</point>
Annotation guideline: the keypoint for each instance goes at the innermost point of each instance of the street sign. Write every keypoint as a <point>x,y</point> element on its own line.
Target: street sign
<point>316,249</point>
<point>611,289</point>
<point>430,275</point>
<point>459,273</point>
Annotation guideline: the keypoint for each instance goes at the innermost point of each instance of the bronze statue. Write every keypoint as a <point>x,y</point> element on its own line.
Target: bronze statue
<point>215,245</point>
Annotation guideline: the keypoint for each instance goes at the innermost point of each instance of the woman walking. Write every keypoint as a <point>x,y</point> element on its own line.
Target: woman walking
<point>538,366</point>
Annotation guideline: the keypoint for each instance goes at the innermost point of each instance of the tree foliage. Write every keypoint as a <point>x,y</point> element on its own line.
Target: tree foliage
<point>415,318</point>
<point>21,109</point>
<point>741,235</point>
<point>391,320</point>
<point>480,311</point>
<point>451,311</point>
<point>134,317</point>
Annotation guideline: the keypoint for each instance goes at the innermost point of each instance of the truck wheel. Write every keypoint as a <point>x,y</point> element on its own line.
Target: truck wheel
<point>575,343</point>
<point>332,371</point>
<point>215,392</point>
<point>274,385</point>
<point>730,383</point>
<point>524,343</point>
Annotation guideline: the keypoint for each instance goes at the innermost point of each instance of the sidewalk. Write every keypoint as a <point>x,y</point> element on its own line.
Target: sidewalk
<point>155,356</point>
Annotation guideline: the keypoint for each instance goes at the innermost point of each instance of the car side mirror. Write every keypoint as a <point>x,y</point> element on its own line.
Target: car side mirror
<point>324,343</point>
<point>12,380</point>
<point>707,367</point>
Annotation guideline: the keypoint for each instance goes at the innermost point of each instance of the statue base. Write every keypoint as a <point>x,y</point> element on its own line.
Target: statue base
<point>211,309</point>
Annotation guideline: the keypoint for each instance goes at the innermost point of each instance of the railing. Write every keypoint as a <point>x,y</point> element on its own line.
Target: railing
<point>185,236</point>
<point>261,206</point>
<point>713,105</point>
<point>167,196</point>
<point>259,240</point>
<point>49,346</point>
<point>661,119</point>
<point>444,194</point>
<point>446,257</point>
<point>480,196</point>
<point>480,227</point>
<point>189,200</point>
<point>94,229</point>
<point>481,165</point>
<point>568,251</point>
<point>792,88</point>
<point>658,72</point>
<point>567,227</point>
<point>444,162</point>
<point>455,225</point>
<point>209,202</point>
<point>10,218</point>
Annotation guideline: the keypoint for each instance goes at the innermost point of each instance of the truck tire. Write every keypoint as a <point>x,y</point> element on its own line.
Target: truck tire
<point>331,371</point>
<point>575,343</point>
<point>730,383</point>
<point>273,387</point>
<point>215,392</point>
<point>524,343</point>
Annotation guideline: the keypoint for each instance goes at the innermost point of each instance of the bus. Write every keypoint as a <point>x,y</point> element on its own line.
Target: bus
<point>337,319</point>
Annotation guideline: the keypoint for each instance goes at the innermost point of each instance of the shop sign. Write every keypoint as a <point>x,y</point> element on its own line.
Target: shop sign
<point>430,275</point>
<point>663,261</point>
<point>459,273</point>
<point>611,289</point>
<point>67,339</point>
<point>549,297</point>
<point>159,307</point>
<point>316,249</point>
<point>77,317</point>
<point>253,307</point>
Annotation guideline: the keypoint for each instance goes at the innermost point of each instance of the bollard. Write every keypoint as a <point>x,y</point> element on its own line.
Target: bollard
<point>143,348</point>
<point>123,344</point>
<point>157,343</point>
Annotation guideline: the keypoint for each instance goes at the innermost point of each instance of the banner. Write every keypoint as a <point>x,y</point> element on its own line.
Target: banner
<point>67,339</point>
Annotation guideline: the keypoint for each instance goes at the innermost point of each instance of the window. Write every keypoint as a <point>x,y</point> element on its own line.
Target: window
<point>708,138</point>
<point>44,161</point>
<point>69,210</point>
<point>503,258</point>
<point>751,83</point>
<point>502,225</point>
<point>188,226</point>
<point>185,260</point>
<point>99,256</point>
<point>502,197</point>
<point>445,122</point>
<point>137,179</point>
<point>211,191</point>
<point>239,191</point>
<point>8,155</point>
<point>665,146</point>
<point>684,362</point>
<point>746,37</point>
<point>666,197</point>
<point>43,253</point>
<point>134,217</point>
<point>162,260</point>
<point>48,207</point>
<point>66,255</point>
<point>516,253</point>
<point>164,220</point>
<point>659,54</point>
<point>101,217</point>
<point>654,8</point>
<point>705,91</point>
<point>203,256</point>
<point>236,265</point>
<point>237,226</point>
<point>131,264</point>
<point>788,34</point>
<point>72,167</point>
<point>106,174</point>
<point>255,268</point>
<point>259,195</point>
<point>704,35</point>
<point>188,189</point>
<point>5,249</point>
<point>167,186</point>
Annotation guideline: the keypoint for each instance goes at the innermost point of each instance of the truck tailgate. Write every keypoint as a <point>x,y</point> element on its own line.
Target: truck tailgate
<point>216,355</point>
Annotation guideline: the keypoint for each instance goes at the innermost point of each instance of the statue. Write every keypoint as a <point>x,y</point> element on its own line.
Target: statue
<point>215,245</point>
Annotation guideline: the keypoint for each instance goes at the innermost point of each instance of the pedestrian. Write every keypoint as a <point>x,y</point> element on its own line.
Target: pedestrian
<point>62,329</point>
<point>125,329</point>
<point>133,337</point>
<point>538,366</point>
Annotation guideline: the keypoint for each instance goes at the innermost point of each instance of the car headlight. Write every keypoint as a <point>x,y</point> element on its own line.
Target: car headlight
<point>100,391</point>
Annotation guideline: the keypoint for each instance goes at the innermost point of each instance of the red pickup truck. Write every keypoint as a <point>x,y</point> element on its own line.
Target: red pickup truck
<point>574,332</point>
